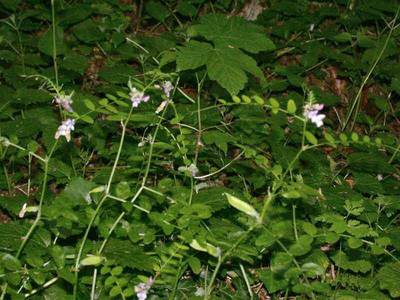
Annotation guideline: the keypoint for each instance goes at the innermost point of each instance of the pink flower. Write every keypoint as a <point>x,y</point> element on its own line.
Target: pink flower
<point>167,87</point>
<point>64,101</point>
<point>137,97</point>
<point>142,289</point>
<point>65,129</point>
<point>311,112</point>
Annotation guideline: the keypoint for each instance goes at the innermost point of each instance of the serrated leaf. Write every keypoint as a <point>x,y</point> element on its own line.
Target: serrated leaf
<point>45,44</point>
<point>125,254</point>
<point>370,162</point>
<point>227,66</point>
<point>234,32</point>
<point>31,96</point>
<point>88,31</point>
<point>388,277</point>
<point>193,55</point>
<point>157,10</point>
<point>342,261</point>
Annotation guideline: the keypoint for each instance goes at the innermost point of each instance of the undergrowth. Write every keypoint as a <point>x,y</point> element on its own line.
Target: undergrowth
<point>199,150</point>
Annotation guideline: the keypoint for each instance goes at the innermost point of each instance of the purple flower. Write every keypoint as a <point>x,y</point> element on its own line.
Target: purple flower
<point>311,112</point>
<point>167,88</point>
<point>142,289</point>
<point>65,129</point>
<point>137,97</point>
<point>64,101</point>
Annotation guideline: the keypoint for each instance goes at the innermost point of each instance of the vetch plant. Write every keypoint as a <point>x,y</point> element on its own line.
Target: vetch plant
<point>64,101</point>
<point>65,129</point>
<point>176,187</point>
<point>136,96</point>
<point>312,113</point>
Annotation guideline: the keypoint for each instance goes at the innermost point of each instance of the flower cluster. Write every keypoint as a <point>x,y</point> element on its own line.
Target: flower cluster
<point>65,129</point>
<point>167,87</point>
<point>142,289</point>
<point>311,112</point>
<point>137,97</point>
<point>192,170</point>
<point>64,101</point>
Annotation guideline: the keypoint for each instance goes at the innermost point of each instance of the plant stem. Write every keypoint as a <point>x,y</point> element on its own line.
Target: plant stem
<point>96,212</point>
<point>356,103</point>
<point>26,238</point>
<point>53,20</point>
<point>39,212</point>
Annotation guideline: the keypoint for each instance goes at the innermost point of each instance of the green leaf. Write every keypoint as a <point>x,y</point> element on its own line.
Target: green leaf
<point>234,32</point>
<point>89,104</point>
<point>291,106</point>
<point>274,105</point>
<point>388,277</point>
<point>75,62</point>
<point>91,260</point>
<point>78,190</point>
<point>88,31</point>
<point>310,229</point>
<point>242,206</point>
<point>45,44</point>
<point>342,261</point>
<point>193,55</point>
<point>195,264</point>
<point>157,10</point>
<point>209,248</point>
<point>343,37</point>
<point>31,96</point>
<point>311,138</point>
<point>370,162</point>
<point>273,283</point>
<point>125,254</point>
<point>116,271</point>
<point>227,66</point>
<point>115,291</point>
<point>186,9</point>
<point>220,139</point>
<point>302,246</point>
<point>395,85</point>
<point>10,262</point>
<point>123,190</point>
<point>354,243</point>
<point>312,269</point>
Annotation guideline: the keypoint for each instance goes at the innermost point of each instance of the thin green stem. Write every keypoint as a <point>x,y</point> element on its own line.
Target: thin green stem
<point>100,204</point>
<point>294,222</point>
<point>53,20</point>
<point>39,212</point>
<point>356,103</point>
<point>142,187</point>
<point>246,280</point>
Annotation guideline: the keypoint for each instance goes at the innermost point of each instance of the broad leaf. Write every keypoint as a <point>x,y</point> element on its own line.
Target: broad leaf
<point>227,66</point>
<point>388,278</point>
<point>234,32</point>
